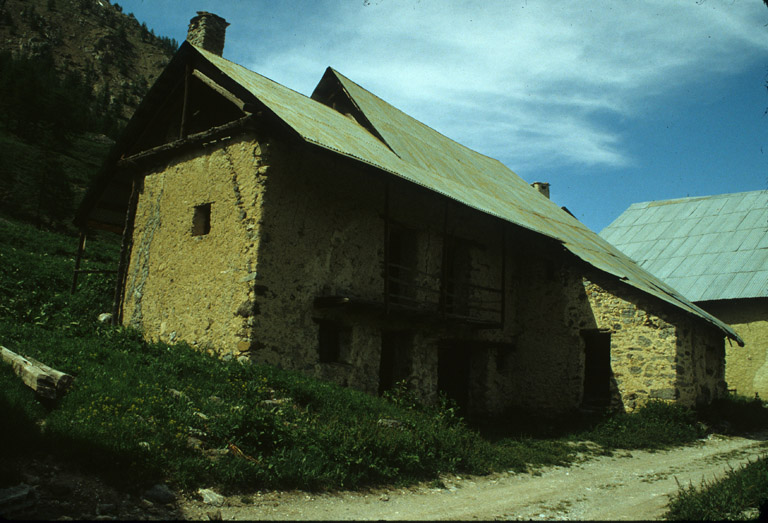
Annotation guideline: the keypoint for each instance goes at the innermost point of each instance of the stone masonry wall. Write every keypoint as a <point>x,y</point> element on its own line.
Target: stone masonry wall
<point>746,368</point>
<point>197,288</point>
<point>323,235</point>
<point>290,224</point>
<point>656,352</point>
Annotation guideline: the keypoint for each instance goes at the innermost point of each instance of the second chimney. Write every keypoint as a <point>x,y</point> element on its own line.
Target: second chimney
<point>542,187</point>
<point>207,30</point>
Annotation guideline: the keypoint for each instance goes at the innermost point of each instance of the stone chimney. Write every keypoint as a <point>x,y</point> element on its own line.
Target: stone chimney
<point>542,187</point>
<point>207,30</point>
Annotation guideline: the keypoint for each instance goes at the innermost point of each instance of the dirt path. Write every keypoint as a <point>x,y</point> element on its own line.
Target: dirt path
<point>626,486</point>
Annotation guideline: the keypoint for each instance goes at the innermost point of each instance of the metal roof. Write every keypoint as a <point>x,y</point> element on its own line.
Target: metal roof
<point>708,248</point>
<point>417,153</point>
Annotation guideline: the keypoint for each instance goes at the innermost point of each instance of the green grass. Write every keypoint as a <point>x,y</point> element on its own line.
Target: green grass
<point>142,412</point>
<point>741,490</point>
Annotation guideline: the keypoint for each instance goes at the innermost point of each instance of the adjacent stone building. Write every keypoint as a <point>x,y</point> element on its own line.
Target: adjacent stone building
<point>714,250</point>
<point>340,237</point>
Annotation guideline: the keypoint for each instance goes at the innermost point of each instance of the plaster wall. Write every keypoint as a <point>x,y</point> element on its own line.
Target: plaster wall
<point>746,368</point>
<point>197,288</point>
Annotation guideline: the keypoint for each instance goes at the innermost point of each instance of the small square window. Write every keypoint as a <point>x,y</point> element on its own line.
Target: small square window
<point>201,220</point>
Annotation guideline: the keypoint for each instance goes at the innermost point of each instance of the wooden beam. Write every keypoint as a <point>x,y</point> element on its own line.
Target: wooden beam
<point>192,139</point>
<point>219,89</point>
<point>185,103</point>
<point>41,378</point>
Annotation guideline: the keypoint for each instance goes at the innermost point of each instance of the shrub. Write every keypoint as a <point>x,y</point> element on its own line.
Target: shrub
<point>656,425</point>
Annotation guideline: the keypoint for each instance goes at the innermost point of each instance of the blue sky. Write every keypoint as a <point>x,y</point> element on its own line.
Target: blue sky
<point>611,102</point>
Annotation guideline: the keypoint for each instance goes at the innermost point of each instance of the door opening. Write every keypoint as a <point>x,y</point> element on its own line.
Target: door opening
<point>597,368</point>
<point>453,362</point>
<point>395,363</point>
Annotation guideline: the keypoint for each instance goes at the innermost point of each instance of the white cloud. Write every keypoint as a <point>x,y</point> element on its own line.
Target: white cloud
<point>531,82</point>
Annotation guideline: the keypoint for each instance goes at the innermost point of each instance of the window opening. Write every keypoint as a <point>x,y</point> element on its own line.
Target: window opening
<point>401,269</point>
<point>201,220</point>
<point>331,341</point>
<point>456,276</point>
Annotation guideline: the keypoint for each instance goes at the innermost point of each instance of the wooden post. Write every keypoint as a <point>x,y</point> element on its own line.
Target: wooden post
<point>503,271</point>
<point>444,264</point>
<point>125,252</point>
<point>386,246</point>
<point>78,258</point>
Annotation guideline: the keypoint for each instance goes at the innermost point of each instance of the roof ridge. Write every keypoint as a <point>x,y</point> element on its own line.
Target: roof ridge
<point>422,124</point>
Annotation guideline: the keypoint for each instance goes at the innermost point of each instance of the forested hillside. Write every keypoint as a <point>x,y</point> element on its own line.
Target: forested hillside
<point>71,74</point>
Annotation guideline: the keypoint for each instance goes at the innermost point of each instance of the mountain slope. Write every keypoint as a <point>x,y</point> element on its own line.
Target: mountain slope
<point>72,72</point>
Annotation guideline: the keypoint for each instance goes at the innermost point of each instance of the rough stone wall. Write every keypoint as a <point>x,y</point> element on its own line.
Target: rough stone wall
<point>198,288</point>
<point>323,235</point>
<point>746,368</point>
<point>656,352</point>
<point>290,224</point>
<point>543,369</point>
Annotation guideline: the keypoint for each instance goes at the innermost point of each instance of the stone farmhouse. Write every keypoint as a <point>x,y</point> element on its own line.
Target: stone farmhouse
<point>714,250</point>
<point>338,236</point>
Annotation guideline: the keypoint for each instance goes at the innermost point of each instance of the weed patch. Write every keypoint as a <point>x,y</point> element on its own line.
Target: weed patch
<point>740,491</point>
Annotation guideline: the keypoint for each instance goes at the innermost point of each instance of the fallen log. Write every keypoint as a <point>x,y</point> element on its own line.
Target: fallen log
<point>41,378</point>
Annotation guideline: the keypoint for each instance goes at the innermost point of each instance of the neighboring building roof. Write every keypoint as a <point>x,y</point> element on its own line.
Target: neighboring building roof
<point>415,152</point>
<point>708,248</point>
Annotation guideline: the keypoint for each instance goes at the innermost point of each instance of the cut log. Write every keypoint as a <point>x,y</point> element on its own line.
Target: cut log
<point>61,380</point>
<point>41,378</point>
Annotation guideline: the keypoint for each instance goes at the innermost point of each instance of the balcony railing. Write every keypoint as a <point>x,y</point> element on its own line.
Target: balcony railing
<point>410,289</point>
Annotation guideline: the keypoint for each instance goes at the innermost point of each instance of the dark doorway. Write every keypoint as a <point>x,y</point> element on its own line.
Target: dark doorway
<point>597,368</point>
<point>453,362</point>
<point>395,364</point>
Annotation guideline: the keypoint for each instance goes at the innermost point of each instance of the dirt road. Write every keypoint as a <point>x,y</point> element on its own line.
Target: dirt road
<point>625,486</point>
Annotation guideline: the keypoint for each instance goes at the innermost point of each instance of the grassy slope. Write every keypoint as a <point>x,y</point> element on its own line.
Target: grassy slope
<point>141,412</point>
<point>152,411</point>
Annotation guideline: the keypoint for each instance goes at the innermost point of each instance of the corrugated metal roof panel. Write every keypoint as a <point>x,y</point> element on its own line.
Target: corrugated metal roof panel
<point>732,226</point>
<point>751,240</point>
<point>425,157</point>
<point>756,287</point>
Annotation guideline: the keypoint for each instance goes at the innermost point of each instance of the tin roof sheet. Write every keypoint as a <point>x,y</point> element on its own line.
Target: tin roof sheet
<point>417,153</point>
<point>722,240</point>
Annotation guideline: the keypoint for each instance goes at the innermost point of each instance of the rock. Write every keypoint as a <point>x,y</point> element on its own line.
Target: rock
<point>197,432</point>
<point>14,499</point>
<point>214,454</point>
<point>178,394</point>
<point>160,493</point>
<point>210,497</point>
<point>275,402</point>
<point>62,486</point>
<point>105,317</point>
<point>105,508</point>
<point>194,443</point>
<point>392,423</point>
